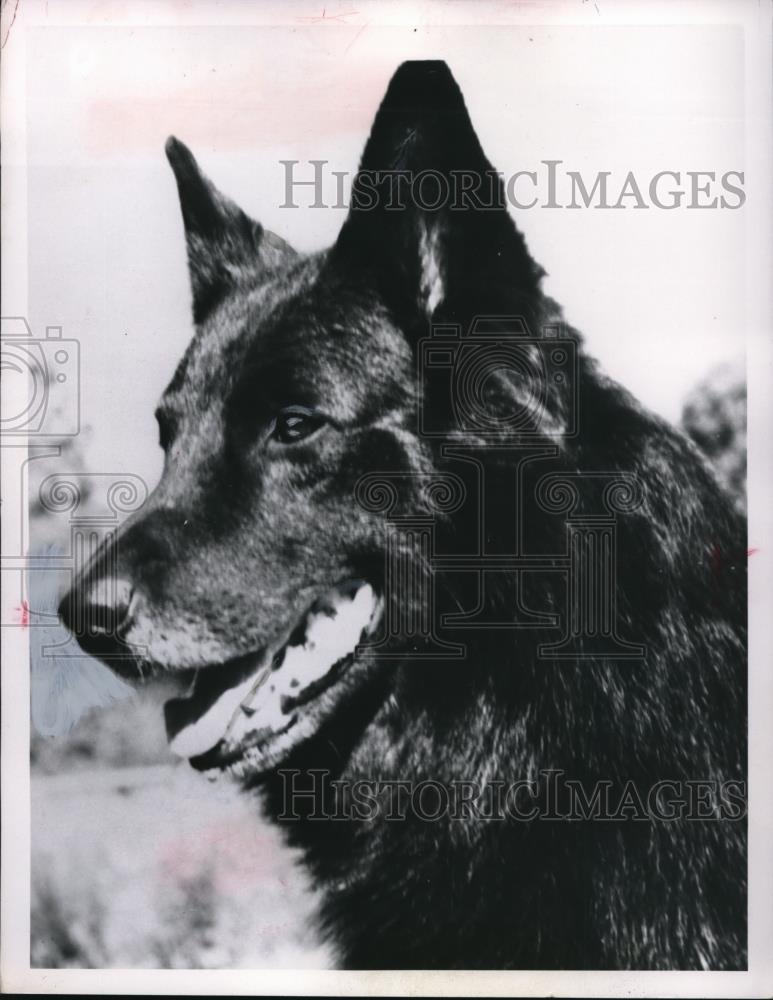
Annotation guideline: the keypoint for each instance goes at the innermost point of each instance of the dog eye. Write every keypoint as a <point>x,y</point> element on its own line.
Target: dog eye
<point>294,423</point>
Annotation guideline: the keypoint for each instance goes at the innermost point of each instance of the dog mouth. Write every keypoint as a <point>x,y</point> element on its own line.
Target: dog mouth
<point>238,706</point>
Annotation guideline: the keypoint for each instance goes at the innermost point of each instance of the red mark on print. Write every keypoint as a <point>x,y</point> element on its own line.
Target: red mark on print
<point>24,614</point>
<point>324,16</point>
<point>725,565</point>
<point>716,560</point>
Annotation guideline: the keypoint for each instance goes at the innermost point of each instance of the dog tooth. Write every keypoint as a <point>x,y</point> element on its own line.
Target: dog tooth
<point>252,706</point>
<point>202,734</point>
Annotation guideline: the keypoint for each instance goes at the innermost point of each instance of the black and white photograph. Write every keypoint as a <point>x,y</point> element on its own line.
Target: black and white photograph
<point>387,537</point>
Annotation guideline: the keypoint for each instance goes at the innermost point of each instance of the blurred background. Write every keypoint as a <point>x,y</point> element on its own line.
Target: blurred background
<point>136,860</point>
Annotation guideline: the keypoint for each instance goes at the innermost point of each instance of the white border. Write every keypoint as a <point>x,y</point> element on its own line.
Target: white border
<point>754,16</point>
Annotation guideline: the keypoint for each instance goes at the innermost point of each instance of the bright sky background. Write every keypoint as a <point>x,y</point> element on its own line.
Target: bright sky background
<point>658,294</point>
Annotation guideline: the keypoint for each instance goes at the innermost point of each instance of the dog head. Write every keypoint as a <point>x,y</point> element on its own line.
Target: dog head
<point>251,572</point>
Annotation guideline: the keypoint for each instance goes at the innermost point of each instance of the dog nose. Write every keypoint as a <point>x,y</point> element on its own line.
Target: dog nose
<point>97,608</point>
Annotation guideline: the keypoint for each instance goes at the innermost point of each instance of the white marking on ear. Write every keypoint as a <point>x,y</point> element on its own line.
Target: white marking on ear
<point>432,287</point>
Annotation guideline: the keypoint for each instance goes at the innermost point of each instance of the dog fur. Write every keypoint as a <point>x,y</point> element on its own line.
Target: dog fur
<point>242,532</point>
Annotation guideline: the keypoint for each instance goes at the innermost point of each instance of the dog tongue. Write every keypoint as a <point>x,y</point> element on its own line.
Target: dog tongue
<point>245,705</point>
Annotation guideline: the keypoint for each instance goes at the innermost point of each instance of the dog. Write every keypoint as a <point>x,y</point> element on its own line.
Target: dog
<point>322,491</point>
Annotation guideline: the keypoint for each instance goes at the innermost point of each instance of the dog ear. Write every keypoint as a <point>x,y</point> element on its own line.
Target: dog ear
<point>222,240</point>
<point>428,214</point>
